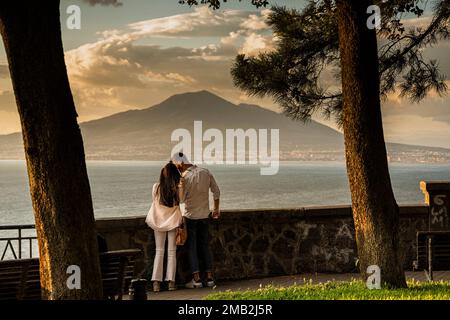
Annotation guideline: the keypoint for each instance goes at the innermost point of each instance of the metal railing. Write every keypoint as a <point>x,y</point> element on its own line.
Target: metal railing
<point>15,244</point>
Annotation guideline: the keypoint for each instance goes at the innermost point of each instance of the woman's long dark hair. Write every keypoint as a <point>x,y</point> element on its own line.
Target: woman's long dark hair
<point>168,186</point>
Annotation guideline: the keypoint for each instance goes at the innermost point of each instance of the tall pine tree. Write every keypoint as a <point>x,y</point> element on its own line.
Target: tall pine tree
<point>334,36</point>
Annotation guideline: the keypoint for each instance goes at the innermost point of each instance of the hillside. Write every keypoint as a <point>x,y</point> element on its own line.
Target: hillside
<point>145,134</point>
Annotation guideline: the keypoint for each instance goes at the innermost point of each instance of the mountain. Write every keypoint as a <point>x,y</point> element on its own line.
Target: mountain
<point>146,134</point>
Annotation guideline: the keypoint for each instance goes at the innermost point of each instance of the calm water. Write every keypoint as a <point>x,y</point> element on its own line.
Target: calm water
<point>124,188</point>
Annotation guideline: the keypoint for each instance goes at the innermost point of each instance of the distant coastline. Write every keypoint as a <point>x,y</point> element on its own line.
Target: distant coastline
<point>145,135</point>
<point>123,188</point>
<point>420,156</point>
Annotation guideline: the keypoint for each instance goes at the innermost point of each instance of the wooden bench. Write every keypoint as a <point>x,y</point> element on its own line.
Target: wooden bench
<point>433,251</point>
<point>19,279</point>
<point>117,272</point>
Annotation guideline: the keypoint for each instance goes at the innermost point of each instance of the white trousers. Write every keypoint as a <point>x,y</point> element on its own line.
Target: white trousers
<point>158,264</point>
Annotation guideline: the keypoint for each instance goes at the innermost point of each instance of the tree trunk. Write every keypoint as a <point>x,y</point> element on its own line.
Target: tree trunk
<point>54,150</point>
<point>375,211</point>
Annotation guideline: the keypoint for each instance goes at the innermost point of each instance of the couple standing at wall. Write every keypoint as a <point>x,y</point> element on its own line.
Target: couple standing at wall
<point>183,191</point>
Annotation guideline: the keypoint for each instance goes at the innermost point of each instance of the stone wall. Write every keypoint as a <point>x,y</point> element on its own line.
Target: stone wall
<point>259,243</point>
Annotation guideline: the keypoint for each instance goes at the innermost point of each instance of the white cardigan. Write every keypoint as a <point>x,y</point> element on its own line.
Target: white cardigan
<point>162,218</point>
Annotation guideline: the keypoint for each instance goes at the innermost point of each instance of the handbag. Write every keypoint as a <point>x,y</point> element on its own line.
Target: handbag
<point>181,235</point>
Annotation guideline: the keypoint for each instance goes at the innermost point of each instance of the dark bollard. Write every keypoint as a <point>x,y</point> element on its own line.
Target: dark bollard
<point>138,289</point>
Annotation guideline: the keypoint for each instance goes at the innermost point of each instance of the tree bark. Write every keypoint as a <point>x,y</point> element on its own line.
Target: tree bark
<point>375,211</point>
<point>54,150</point>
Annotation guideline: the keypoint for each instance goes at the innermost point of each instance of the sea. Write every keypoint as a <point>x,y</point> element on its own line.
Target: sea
<point>123,188</point>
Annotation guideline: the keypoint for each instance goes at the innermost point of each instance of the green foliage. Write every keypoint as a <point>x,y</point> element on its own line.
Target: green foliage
<point>307,52</point>
<point>307,44</point>
<point>352,290</point>
<point>215,4</point>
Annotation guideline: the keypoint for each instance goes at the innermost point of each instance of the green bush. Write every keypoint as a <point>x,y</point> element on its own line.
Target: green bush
<point>352,290</point>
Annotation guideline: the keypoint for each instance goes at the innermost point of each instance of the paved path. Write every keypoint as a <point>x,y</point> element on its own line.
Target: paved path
<point>198,294</point>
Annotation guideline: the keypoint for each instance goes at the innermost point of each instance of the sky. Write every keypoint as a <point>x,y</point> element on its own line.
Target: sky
<point>140,52</point>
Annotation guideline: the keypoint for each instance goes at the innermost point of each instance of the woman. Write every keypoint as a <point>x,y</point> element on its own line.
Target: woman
<point>164,217</point>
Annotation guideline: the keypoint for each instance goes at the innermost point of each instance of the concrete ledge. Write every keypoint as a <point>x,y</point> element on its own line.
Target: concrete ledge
<point>426,186</point>
<point>269,242</point>
<point>264,215</point>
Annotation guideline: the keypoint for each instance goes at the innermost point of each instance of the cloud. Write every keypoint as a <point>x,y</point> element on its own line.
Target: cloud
<point>121,75</point>
<point>129,68</point>
<point>4,72</point>
<point>10,122</point>
<point>426,123</point>
<point>256,22</point>
<point>114,3</point>
<point>256,43</point>
<point>415,23</point>
<point>418,130</point>
<point>203,22</point>
<point>433,107</point>
<point>125,70</point>
<point>437,52</point>
<point>7,101</point>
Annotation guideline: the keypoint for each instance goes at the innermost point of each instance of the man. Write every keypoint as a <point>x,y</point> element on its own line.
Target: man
<point>197,182</point>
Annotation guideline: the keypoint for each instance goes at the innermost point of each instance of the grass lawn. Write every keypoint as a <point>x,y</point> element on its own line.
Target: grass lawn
<point>351,290</point>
